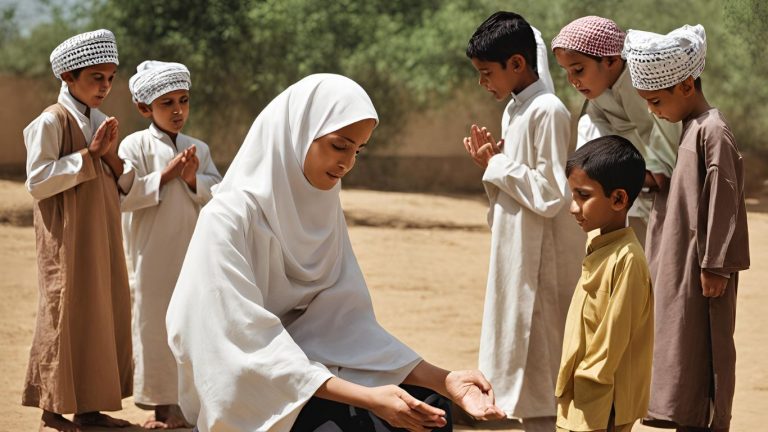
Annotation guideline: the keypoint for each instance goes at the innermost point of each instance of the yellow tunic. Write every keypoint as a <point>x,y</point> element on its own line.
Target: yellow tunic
<point>608,347</point>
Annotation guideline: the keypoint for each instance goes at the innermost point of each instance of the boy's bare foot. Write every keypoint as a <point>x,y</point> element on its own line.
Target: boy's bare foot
<point>100,420</point>
<point>167,417</point>
<point>52,422</point>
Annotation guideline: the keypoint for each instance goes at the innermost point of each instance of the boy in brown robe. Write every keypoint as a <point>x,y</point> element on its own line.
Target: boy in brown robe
<point>80,361</point>
<point>703,242</point>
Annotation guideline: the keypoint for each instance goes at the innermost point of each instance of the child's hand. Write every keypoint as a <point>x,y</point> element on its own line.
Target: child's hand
<point>712,285</point>
<point>481,146</point>
<point>191,163</point>
<point>173,169</point>
<point>111,135</point>
<point>102,139</point>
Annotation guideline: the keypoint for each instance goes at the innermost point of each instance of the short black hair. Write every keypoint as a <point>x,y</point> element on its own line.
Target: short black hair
<point>501,36</point>
<point>613,162</point>
<point>696,85</point>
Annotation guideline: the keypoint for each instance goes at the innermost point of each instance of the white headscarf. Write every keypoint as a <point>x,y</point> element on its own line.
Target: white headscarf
<point>270,165</point>
<point>542,61</point>
<point>155,78</point>
<point>660,61</point>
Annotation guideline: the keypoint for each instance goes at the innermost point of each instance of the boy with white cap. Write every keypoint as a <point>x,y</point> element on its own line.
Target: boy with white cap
<point>173,180</point>
<point>80,360</point>
<point>704,241</point>
<point>589,49</point>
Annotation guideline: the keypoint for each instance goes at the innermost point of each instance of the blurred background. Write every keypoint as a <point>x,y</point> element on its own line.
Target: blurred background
<point>408,54</point>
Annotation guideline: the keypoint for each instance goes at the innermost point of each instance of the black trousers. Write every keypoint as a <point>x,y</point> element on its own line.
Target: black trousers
<point>322,415</point>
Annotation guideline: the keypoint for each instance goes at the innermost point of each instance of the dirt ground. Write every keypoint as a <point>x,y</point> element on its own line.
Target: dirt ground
<point>425,259</point>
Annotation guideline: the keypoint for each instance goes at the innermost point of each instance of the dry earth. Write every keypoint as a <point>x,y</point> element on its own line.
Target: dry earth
<point>425,258</point>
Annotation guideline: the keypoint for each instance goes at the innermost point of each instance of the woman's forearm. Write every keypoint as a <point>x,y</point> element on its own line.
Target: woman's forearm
<point>428,375</point>
<point>342,391</point>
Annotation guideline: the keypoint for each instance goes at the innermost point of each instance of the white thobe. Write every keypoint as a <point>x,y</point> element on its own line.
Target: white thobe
<point>536,253</point>
<point>161,224</point>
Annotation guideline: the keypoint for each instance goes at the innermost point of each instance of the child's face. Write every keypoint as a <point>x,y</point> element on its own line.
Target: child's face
<point>501,82</point>
<point>332,156</point>
<point>169,112</point>
<point>671,106</point>
<point>93,84</point>
<point>591,208</point>
<point>587,75</point>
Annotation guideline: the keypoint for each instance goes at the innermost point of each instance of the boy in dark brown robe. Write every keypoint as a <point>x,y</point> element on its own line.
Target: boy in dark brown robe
<point>703,241</point>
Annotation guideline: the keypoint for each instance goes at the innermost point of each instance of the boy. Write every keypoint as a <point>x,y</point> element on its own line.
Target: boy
<point>80,360</point>
<point>605,372</point>
<point>704,241</point>
<point>173,180</point>
<point>589,49</point>
<point>533,266</point>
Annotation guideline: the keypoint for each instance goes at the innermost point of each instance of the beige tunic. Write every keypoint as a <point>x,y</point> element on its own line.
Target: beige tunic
<point>705,228</point>
<point>606,362</point>
<point>80,359</point>
<point>161,225</point>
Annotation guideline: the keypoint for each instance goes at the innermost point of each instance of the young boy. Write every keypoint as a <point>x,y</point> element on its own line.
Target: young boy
<point>80,360</point>
<point>533,266</point>
<point>589,49</point>
<point>605,372</point>
<point>173,180</point>
<point>704,241</point>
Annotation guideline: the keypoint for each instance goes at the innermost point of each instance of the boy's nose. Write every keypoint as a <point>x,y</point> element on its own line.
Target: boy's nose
<point>574,208</point>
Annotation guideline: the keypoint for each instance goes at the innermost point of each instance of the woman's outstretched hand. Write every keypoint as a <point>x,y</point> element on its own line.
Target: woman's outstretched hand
<point>398,408</point>
<point>473,393</point>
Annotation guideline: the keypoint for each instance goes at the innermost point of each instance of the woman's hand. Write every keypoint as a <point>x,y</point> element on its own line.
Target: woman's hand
<point>473,393</point>
<point>398,408</point>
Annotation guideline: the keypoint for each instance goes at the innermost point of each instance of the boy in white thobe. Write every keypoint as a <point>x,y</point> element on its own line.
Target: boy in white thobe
<point>535,261</point>
<point>174,174</point>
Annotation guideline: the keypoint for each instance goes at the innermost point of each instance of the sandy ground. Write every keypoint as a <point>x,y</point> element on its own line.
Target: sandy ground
<point>425,259</point>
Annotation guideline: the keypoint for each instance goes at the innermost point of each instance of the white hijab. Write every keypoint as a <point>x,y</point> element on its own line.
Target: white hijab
<point>270,165</point>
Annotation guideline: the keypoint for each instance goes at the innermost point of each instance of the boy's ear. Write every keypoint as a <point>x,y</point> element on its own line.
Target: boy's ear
<point>619,200</point>
<point>144,109</point>
<point>687,87</point>
<point>612,61</point>
<point>516,62</point>
<point>67,77</point>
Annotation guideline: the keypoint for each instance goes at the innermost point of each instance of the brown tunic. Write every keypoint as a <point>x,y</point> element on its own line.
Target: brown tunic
<point>705,227</point>
<point>80,360</point>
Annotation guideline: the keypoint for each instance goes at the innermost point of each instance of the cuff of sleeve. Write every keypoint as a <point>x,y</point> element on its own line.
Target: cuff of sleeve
<point>87,167</point>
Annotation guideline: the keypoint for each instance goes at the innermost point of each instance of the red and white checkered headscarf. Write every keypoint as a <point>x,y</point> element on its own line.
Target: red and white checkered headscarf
<point>591,35</point>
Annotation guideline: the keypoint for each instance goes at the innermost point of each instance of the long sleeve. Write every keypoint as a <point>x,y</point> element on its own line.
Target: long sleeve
<point>720,201</point>
<point>144,189</point>
<point>239,368</point>
<point>664,140</point>
<point>540,188</point>
<point>48,173</point>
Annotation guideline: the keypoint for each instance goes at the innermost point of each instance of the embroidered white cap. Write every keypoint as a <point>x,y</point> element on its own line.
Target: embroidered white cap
<point>155,78</point>
<point>660,61</point>
<point>83,50</point>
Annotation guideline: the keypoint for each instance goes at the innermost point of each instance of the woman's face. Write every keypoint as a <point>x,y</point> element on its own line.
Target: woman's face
<point>332,156</point>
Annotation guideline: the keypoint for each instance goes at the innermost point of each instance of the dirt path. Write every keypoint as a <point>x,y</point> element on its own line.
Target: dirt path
<point>427,284</point>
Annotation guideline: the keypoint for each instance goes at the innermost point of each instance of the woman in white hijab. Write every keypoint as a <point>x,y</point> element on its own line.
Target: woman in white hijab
<point>271,308</point>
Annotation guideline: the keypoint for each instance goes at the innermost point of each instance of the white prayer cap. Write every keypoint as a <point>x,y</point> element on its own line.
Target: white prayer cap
<point>660,61</point>
<point>155,78</point>
<point>83,50</point>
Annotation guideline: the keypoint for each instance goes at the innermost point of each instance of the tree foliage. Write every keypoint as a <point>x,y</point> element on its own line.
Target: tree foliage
<point>409,54</point>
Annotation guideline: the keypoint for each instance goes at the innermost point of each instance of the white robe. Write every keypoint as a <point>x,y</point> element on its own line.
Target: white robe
<point>271,302</point>
<point>162,220</point>
<point>536,253</point>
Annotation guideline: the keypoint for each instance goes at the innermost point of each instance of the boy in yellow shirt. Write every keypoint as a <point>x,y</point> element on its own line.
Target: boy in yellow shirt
<point>605,371</point>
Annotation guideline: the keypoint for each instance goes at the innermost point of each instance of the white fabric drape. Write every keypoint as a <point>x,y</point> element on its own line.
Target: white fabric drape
<point>270,301</point>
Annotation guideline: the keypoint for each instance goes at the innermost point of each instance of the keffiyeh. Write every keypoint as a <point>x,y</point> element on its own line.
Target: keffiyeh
<point>155,78</point>
<point>591,35</point>
<point>660,61</point>
<point>83,50</point>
